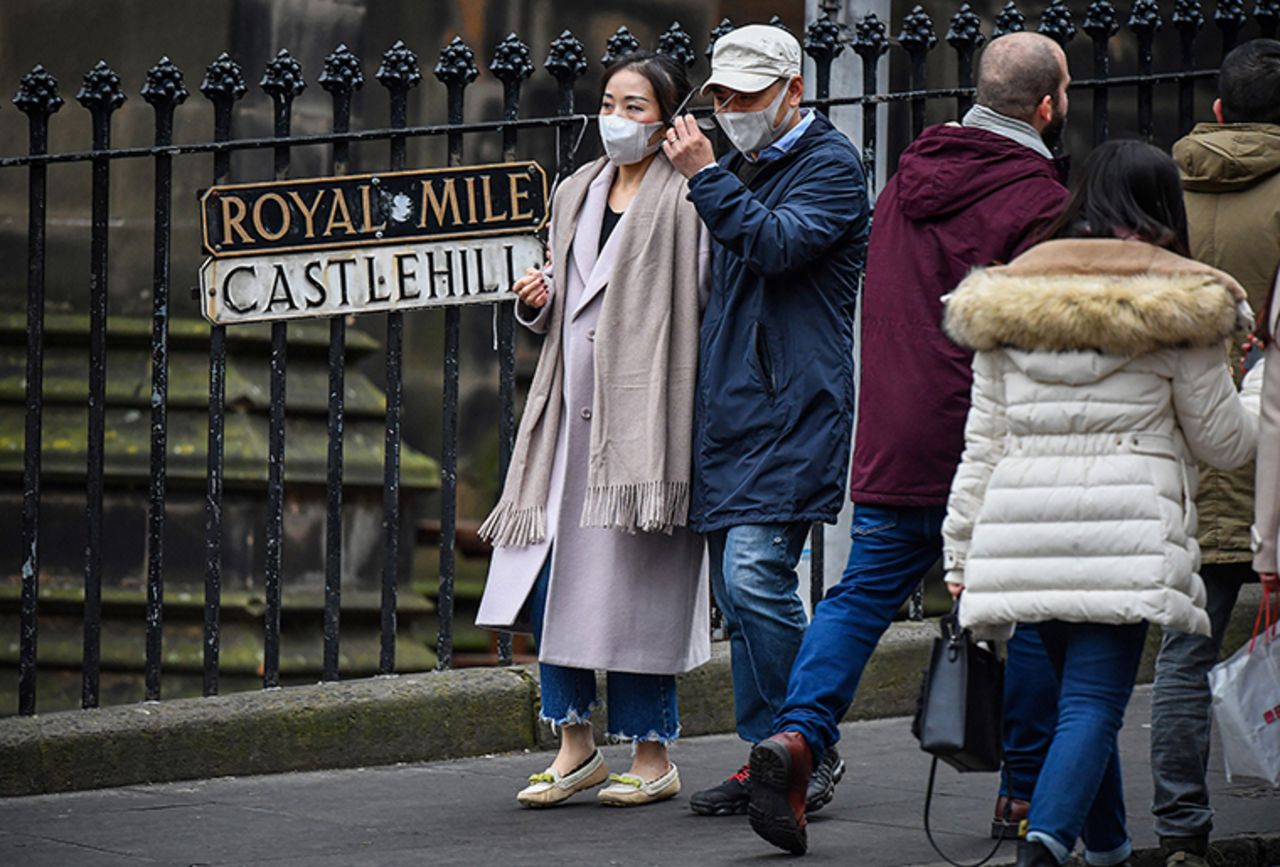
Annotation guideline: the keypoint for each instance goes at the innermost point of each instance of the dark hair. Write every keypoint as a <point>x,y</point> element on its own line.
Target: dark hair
<point>1249,83</point>
<point>1128,189</point>
<point>668,78</point>
<point>1014,75</point>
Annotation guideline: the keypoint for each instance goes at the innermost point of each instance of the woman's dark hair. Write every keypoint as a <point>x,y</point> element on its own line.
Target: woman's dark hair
<point>668,78</point>
<point>1128,189</point>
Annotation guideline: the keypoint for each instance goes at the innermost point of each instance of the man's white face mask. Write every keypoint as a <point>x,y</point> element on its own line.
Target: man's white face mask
<point>627,141</point>
<point>753,131</point>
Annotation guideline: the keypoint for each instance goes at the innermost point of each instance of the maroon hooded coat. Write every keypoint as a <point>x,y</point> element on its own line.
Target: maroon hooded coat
<point>962,197</point>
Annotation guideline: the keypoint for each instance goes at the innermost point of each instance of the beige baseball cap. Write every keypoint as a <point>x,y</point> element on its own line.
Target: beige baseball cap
<point>751,58</point>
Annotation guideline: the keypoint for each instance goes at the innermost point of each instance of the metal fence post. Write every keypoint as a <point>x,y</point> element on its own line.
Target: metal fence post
<point>456,69</point>
<point>512,65</point>
<point>341,77</point>
<point>101,95</point>
<point>1145,22</point>
<point>223,84</point>
<point>1188,20</point>
<point>1100,23</point>
<point>917,38</point>
<point>164,91</point>
<point>282,81</point>
<point>965,36</point>
<point>398,73</point>
<point>870,42</point>
<point>38,98</point>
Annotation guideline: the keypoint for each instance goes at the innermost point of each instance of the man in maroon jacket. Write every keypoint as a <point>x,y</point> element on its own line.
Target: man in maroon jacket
<point>965,195</point>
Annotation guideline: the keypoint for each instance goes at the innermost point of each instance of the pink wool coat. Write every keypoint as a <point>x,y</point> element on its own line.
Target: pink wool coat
<point>616,601</point>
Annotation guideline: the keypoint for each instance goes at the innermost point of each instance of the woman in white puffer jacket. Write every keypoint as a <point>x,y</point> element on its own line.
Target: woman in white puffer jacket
<point>1099,382</point>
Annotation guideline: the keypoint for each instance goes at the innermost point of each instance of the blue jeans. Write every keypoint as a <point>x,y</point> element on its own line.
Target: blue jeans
<point>1030,711</point>
<point>753,576</point>
<point>642,707</point>
<point>893,548</point>
<point>1180,710</point>
<point>1080,793</point>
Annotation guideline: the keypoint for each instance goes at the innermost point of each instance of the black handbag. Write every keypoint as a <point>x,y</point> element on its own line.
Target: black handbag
<point>960,712</point>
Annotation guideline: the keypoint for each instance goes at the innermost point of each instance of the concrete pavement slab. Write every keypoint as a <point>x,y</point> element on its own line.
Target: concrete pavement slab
<point>464,812</point>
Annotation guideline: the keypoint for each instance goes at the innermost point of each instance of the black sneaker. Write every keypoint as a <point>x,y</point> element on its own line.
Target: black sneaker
<point>730,798</point>
<point>822,785</point>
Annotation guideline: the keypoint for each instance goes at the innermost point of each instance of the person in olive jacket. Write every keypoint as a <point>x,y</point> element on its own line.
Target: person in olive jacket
<point>1231,182</point>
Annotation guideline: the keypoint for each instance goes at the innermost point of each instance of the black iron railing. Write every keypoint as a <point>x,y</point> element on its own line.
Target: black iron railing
<point>224,84</point>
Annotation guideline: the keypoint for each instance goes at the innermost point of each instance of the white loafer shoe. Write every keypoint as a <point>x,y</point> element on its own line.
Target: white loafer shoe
<point>626,790</point>
<point>549,788</point>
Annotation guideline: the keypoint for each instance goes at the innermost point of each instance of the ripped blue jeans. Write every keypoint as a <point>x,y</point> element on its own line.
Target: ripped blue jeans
<point>642,707</point>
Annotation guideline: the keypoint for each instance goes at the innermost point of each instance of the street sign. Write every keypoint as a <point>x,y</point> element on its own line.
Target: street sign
<point>319,247</point>
<point>372,279</point>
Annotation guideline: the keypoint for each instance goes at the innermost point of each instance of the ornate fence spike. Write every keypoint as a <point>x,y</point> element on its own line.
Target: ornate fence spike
<point>457,64</point>
<point>164,85</point>
<point>620,44</point>
<point>282,79</point>
<point>512,61</point>
<point>342,72</point>
<point>101,89</point>
<point>822,39</point>
<point>1101,21</point>
<point>38,93</point>
<point>776,21</point>
<point>965,30</point>
<point>870,37</point>
<point>1267,14</point>
<point>917,36</point>
<point>1057,23</point>
<point>677,44</point>
<point>1144,18</point>
<point>1230,17</point>
<point>725,26</point>
<point>1010,20</point>
<point>1187,17</point>
<point>399,67</point>
<point>223,79</point>
<point>566,58</point>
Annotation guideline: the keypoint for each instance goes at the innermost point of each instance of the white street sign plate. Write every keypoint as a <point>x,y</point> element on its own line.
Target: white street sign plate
<point>323,283</point>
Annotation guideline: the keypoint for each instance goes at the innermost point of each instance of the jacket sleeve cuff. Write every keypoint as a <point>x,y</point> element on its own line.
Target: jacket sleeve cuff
<point>954,576</point>
<point>1264,555</point>
<point>533,318</point>
<point>953,559</point>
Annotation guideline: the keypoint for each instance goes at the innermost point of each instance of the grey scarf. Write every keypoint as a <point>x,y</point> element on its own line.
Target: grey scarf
<point>981,117</point>
<point>645,373</point>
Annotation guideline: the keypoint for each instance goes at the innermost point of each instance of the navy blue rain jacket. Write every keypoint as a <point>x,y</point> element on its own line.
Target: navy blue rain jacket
<point>775,396</point>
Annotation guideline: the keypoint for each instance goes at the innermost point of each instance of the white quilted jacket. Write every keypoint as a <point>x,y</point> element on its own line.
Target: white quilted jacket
<point>1098,383</point>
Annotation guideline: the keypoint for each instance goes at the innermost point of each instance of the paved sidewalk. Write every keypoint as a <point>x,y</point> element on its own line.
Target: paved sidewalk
<point>464,812</point>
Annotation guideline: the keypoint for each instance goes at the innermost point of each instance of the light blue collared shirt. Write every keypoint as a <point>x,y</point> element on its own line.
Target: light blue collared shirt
<point>788,141</point>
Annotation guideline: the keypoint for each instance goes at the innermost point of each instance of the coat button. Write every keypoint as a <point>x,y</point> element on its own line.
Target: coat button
<point>586,414</point>
<point>591,334</point>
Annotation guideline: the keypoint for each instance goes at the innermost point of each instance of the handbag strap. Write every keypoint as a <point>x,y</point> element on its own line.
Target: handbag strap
<point>1264,606</point>
<point>928,802</point>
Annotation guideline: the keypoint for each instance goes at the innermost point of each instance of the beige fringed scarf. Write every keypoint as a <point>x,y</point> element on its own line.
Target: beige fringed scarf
<point>646,359</point>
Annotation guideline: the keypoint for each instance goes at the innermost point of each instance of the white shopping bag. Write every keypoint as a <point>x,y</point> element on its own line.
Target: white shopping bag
<point>1246,703</point>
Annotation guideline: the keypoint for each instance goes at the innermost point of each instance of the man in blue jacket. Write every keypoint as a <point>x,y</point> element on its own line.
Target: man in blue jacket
<point>788,211</point>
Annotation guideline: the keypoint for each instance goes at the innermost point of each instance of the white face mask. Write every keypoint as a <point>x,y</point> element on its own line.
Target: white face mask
<point>753,131</point>
<point>627,141</point>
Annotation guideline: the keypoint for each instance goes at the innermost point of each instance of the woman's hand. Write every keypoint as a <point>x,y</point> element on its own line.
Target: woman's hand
<point>531,289</point>
<point>1270,582</point>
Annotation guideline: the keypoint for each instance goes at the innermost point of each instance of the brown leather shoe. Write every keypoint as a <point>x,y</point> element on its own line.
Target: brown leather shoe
<point>1010,812</point>
<point>780,770</point>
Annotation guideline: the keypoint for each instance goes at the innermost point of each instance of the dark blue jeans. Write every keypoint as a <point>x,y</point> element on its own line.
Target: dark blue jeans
<point>1080,792</point>
<point>1030,711</point>
<point>893,548</point>
<point>753,576</point>
<point>642,707</point>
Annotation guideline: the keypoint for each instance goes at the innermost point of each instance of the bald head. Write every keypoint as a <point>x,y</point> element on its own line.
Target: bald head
<point>1016,73</point>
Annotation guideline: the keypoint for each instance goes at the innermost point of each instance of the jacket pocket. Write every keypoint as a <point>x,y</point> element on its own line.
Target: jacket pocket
<point>764,361</point>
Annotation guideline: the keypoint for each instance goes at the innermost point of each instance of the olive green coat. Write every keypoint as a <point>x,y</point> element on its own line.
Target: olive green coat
<point>1231,177</point>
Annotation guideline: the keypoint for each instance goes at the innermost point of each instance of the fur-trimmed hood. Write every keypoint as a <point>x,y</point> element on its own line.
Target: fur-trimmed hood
<point>1120,298</point>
